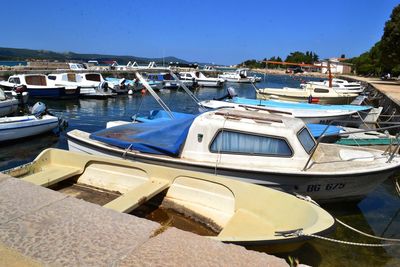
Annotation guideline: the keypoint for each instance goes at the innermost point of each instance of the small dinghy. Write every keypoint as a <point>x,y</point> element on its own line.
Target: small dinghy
<point>17,127</point>
<point>237,212</point>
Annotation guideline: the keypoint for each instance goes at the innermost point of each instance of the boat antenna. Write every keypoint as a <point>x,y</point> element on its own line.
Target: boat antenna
<point>154,94</point>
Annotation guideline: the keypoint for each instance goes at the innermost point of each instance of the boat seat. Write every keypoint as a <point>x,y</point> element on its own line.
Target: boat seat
<point>52,175</point>
<point>134,198</point>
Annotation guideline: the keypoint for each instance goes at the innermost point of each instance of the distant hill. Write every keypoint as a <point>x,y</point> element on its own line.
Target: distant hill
<point>19,54</point>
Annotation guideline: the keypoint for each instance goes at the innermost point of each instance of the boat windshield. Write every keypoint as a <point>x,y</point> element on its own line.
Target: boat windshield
<point>306,140</point>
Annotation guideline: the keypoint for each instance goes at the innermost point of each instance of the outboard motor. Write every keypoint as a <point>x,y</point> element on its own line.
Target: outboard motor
<point>38,109</point>
<point>231,93</point>
<point>103,86</point>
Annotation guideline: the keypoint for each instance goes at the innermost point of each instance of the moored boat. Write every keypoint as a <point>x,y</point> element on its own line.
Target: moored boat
<point>16,127</point>
<point>38,85</point>
<point>308,93</point>
<point>309,113</point>
<point>236,212</point>
<point>238,76</point>
<point>254,146</point>
<point>341,86</point>
<point>88,88</point>
<point>201,79</point>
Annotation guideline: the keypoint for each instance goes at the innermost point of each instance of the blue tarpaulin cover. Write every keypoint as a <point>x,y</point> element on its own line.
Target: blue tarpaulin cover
<point>160,136</point>
<point>317,129</point>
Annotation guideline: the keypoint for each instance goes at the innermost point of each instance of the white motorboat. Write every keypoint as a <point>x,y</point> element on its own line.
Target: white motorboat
<point>168,82</point>
<point>97,80</point>
<point>17,127</point>
<point>341,86</point>
<point>38,85</point>
<point>88,88</point>
<point>308,93</point>
<point>201,79</point>
<point>254,146</point>
<point>239,76</point>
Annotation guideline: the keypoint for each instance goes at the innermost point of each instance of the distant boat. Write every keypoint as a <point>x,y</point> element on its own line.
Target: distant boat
<point>341,86</point>
<point>234,211</point>
<point>168,82</point>
<point>239,76</point>
<point>38,85</point>
<point>201,79</point>
<point>88,88</point>
<point>308,93</point>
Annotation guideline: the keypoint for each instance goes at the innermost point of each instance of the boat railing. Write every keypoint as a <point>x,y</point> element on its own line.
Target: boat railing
<point>389,150</point>
<point>154,94</point>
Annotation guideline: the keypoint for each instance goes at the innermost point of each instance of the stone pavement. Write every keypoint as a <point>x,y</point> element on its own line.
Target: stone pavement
<point>39,226</point>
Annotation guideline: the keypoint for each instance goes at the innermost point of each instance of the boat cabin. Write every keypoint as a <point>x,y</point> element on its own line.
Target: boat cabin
<point>63,77</point>
<point>76,66</point>
<point>232,135</point>
<point>226,136</point>
<point>192,75</point>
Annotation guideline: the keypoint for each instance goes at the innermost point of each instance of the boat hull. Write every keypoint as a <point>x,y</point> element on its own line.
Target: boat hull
<point>337,100</point>
<point>322,187</point>
<point>24,128</point>
<point>53,92</point>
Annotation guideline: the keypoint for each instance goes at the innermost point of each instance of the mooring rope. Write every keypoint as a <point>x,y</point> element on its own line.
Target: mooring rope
<point>309,199</point>
<point>397,185</point>
<point>366,234</point>
<point>300,233</point>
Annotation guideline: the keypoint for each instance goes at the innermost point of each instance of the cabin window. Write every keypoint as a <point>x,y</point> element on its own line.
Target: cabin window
<point>321,90</point>
<point>52,77</point>
<point>244,143</point>
<point>71,77</point>
<point>93,77</point>
<point>306,140</point>
<point>36,80</point>
<point>14,80</point>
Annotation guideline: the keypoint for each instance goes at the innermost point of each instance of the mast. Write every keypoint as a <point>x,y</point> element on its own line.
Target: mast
<point>329,74</point>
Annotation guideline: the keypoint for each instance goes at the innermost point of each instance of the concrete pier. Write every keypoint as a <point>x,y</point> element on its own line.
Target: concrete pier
<point>39,227</point>
<point>390,89</point>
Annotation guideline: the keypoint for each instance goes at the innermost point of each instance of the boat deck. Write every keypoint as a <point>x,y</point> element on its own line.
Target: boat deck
<point>43,227</point>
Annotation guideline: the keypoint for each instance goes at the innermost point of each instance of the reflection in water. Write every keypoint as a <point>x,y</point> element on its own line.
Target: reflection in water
<point>377,214</point>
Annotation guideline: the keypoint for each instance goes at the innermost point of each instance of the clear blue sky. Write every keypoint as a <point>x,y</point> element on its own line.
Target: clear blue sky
<point>225,32</point>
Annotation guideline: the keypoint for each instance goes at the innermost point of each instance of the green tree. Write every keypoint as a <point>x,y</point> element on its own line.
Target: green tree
<point>390,43</point>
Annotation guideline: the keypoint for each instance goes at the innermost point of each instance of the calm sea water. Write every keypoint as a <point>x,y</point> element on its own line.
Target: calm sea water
<point>13,63</point>
<point>378,213</point>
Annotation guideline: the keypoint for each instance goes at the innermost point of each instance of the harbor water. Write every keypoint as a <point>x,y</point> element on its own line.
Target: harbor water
<point>378,213</point>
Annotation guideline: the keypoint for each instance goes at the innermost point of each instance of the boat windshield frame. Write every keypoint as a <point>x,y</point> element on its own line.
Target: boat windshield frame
<point>308,151</point>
